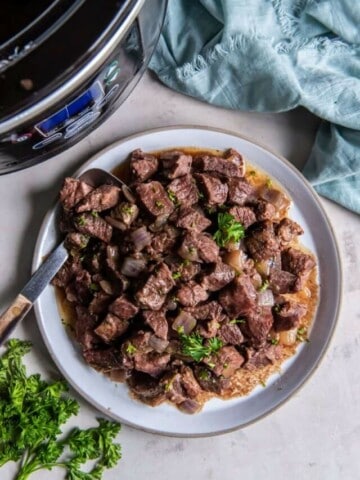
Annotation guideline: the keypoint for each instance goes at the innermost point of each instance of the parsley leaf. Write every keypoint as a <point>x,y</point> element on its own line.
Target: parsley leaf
<point>193,346</point>
<point>229,230</point>
<point>32,412</point>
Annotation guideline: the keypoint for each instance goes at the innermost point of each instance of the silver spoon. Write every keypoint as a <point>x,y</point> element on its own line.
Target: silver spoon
<point>48,269</point>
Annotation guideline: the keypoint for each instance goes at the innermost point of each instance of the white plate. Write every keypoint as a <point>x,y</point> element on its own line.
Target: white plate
<point>218,416</point>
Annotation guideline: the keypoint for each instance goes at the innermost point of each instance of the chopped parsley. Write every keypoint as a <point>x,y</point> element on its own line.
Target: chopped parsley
<point>229,230</point>
<point>172,197</point>
<point>193,346</point>
<point>237,320</point>
<point>301,335</point>
<point>176,275</point>
<point>274,341</point>
<point>81,221</point>
<point>159,204</point>
<point>94,214</point>
<point>204,374</point>
<point>127,209</point>
<point>130,349</point>
<point>94,287</point>
<point>264,286</point>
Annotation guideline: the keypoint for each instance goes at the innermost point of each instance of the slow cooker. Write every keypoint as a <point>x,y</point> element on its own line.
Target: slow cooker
<point>65,65</point>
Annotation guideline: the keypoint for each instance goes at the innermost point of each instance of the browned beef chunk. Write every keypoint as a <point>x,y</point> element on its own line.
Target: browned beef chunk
<point>100,302</point>
<point>104,360</point>
<point>67,272</point>
<point>153,294</point>
<point>152,363</point>
<point>154,198</point>
<point>287,231</point>
<point>76,241</point>
<point>215,190</point>
<point>239,298</point>
<point>192,220</point>
<point>259,323</point>
<point>199,247</point>
<point>231,167</point>
<point>244,215</point>
<point>288,315</point>
<point>240,191</point>
<point>94,226</point>
<point>123,215</point>
<point>142,165</point>
<point>157,321</point>
<point>221,275</point>
<point>282,281</point>
<point>146,388</point>
<point>187,270</point>
<point>162,241</point>
<point>189,382</point>
<point>226,361</point>
<point>185,190</point>
<point>140,342</point>
<point>297,262</point>
<point>191,294</point>
<point>111,328</point>
<point>72,191</point>
<point>84,326</point>
<point>78,290</point>
<point>172,385</point>
<point>230,333</point>
<point>264,210</point>
<point>261,358</point>
<point>102,198</point>
<point>234,156</point>
<point>261,241</point>
<point>208,328</point>
<point>123,308</point>
<point>207,311</point>
<point>210,382</point>
<point>176,164</point>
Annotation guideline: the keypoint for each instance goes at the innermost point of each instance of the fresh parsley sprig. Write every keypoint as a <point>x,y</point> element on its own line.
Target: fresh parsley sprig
<point>193,346</point>
<point>32,412</point>
<point>229,230</point>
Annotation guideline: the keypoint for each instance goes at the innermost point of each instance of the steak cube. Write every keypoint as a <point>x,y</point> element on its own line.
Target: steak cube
<point>288,315</point>
<point>261,241</point>
<point>214,190</point>
<point>226,361</point>
<point>157,321</point>
<point>123,308</point>
<point>154,198</point>
<point>111,328</point>
<point>176,164</point>
<point>282,282</point>
<point>244,215</point>
<point>199,247</point>
<point>153,294</point>
<point>221,275</point>
<point>152,363</point>
<point>297,262</point>
<point>102,198</point>
<point>185,190</point>
<point>231,167</point>
<point>94,226</point>
<point>259,323</point>
<point>192,220</point>
<point>230,333</point>
<point>72,191</point>
<point>142,165</point>
<point>239,298</point>
<point>287,231</point>
<point>240,191</point>
<point>191,294</point>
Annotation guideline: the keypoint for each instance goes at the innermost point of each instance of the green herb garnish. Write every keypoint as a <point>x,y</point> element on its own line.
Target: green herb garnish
<point>268,183</point>
<point>229,230</point>
<point>130,349</point>
<point>264,286</point>
<point>193,346</point>
<point>172,197</point>
<point>237,320</point>
<point>274,341</point>
<point>32,412</point>
<point>301,335</point>
<point>176,275</point>
<point>94,214</point>
<point>81,221</point>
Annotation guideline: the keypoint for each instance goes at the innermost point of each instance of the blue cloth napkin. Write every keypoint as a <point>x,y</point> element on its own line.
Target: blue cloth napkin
<point>275,55</point>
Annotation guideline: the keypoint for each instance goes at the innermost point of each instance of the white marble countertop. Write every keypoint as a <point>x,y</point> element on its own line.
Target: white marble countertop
<point>315,435</point>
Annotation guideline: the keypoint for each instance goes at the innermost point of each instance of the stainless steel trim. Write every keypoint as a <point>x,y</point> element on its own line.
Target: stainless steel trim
<point>74,82</point>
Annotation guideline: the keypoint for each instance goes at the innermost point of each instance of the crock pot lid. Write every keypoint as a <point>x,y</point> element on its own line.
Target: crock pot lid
<point>57,13</point>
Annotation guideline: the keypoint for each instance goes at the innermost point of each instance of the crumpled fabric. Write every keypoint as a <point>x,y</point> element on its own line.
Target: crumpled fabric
<point>273,56</point>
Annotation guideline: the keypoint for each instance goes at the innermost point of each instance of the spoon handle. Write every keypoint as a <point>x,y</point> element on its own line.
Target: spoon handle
<point>13,315</point>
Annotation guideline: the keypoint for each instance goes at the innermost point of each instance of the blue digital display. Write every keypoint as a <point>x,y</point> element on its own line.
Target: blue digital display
<point>69,112</point>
